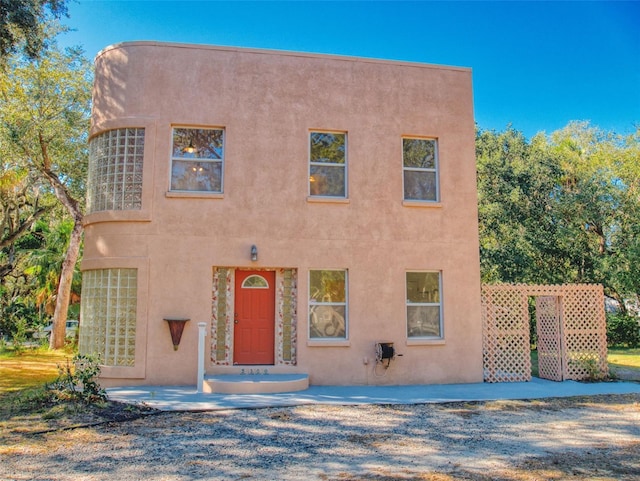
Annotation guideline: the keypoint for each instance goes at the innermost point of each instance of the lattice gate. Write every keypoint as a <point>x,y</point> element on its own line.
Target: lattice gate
<point>571,329</point>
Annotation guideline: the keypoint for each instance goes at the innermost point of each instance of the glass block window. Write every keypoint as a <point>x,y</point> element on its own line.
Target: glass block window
<point>328,164</point>
<point>197,160</point>
<point>328,304</point>
<point>420,169</point>
<point>115,170</point>
<point>109,300</point>
<point>424,310</point>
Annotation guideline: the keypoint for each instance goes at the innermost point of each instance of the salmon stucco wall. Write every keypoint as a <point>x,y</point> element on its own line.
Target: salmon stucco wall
<point>267,103</point>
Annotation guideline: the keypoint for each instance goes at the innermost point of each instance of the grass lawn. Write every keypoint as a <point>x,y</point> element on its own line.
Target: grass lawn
<point>32,368</point>
<point>629,358</point>
<point>35,367</point>
<point>618,357</point>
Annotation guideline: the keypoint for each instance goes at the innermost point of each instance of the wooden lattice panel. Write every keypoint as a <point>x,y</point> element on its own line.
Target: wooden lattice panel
<point>548,310</point>
<point>585,328</point>
<point>506,335</point>
<point>571,332</point>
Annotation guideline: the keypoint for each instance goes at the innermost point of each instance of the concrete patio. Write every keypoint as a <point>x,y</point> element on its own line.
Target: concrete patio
<point>186,398</point>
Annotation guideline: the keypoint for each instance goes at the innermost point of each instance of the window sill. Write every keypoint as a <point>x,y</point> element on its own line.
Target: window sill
<point>193,195</point>
<point>421,203</point>
<point>329,343</point>
<point>327,200</point>
<point>425,342</point>
<point>117,216</point>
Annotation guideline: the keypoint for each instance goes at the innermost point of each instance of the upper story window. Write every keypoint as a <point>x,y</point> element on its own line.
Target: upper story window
<point>328,164</point>
<point>424,309</point>
<point>327,304</point>
<point>114,180</point>
<point>420,166</point>
<point>197,160</point>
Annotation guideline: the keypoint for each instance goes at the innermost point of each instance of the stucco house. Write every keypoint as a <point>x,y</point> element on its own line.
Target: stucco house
<point>304,207</point>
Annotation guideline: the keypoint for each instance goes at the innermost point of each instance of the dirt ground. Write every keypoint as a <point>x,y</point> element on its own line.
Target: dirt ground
<point>588,438</point>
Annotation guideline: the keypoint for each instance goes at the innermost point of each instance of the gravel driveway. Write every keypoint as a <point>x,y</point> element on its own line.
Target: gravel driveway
<point>578,438</point>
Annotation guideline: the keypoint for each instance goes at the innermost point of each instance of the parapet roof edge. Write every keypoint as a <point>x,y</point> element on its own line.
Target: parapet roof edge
<point>289,53</point>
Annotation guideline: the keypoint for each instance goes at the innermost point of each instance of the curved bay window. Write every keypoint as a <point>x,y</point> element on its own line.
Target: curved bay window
<point>109,300</point>
<point>114,180</point>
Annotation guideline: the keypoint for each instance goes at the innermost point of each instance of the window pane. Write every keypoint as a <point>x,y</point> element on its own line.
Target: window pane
<point>327,286</point>
<point>328,147</point>
<point>419,153</point>
<point>255,282</point>
<point>423,287</point>
<point>423,321</point>
<point>198,143</point>
<point>196,176</point>
<point>327,321</point>
<point>327,180</point>
<point>420,185</point>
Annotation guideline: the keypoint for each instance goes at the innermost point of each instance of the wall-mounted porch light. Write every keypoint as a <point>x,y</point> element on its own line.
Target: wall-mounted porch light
<point>254,253</point>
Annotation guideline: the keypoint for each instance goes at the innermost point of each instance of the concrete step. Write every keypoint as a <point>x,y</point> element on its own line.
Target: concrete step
<point>255,383</point>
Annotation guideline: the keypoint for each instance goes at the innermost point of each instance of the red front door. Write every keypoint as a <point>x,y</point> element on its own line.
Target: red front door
<point>254,317</point>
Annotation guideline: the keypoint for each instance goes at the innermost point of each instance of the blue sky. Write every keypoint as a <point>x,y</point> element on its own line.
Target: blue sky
<point>536,65</point>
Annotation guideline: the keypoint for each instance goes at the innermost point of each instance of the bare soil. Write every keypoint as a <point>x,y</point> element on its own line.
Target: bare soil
<point>594,438</point>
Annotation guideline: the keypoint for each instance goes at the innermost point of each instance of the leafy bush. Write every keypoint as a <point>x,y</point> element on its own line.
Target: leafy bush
<point>589,363</point>
<point>77,380</point>
<point>17,318</point>
<point>623,330</point>
<point>19,335</point>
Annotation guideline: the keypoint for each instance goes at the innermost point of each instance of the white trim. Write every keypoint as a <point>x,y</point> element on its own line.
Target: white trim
<point>328,164</point>
<point>311,303</point>
<point>220,161</point>
<point>439,305</point>
<point>436,170</point>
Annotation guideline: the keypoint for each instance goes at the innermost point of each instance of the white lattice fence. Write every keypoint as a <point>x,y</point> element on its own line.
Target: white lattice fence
<point>548,310</point>
<point>571,332</point>
<point>506,343</point>
<point>585,332</point>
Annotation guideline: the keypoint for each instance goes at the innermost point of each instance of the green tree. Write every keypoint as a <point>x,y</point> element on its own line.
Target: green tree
<point>600,206</point>
<point>22,24</point>
<point>44,121</point>
<point>518,234</point>
<point>44,265</point>
<point>563,208</point>
<point>21,207</point>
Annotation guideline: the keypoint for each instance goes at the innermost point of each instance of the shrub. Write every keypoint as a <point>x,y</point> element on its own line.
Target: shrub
<point>623,330</point>
<point>20,335</point>
<point>78,380</point>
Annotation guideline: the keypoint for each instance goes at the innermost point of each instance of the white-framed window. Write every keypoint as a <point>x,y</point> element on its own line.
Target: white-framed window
<point>328,164</point>
<point>197,160</point>
<point>420,169</point>
<point>424,305</point>
<point>114,180</point>
<point>328,304</point>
